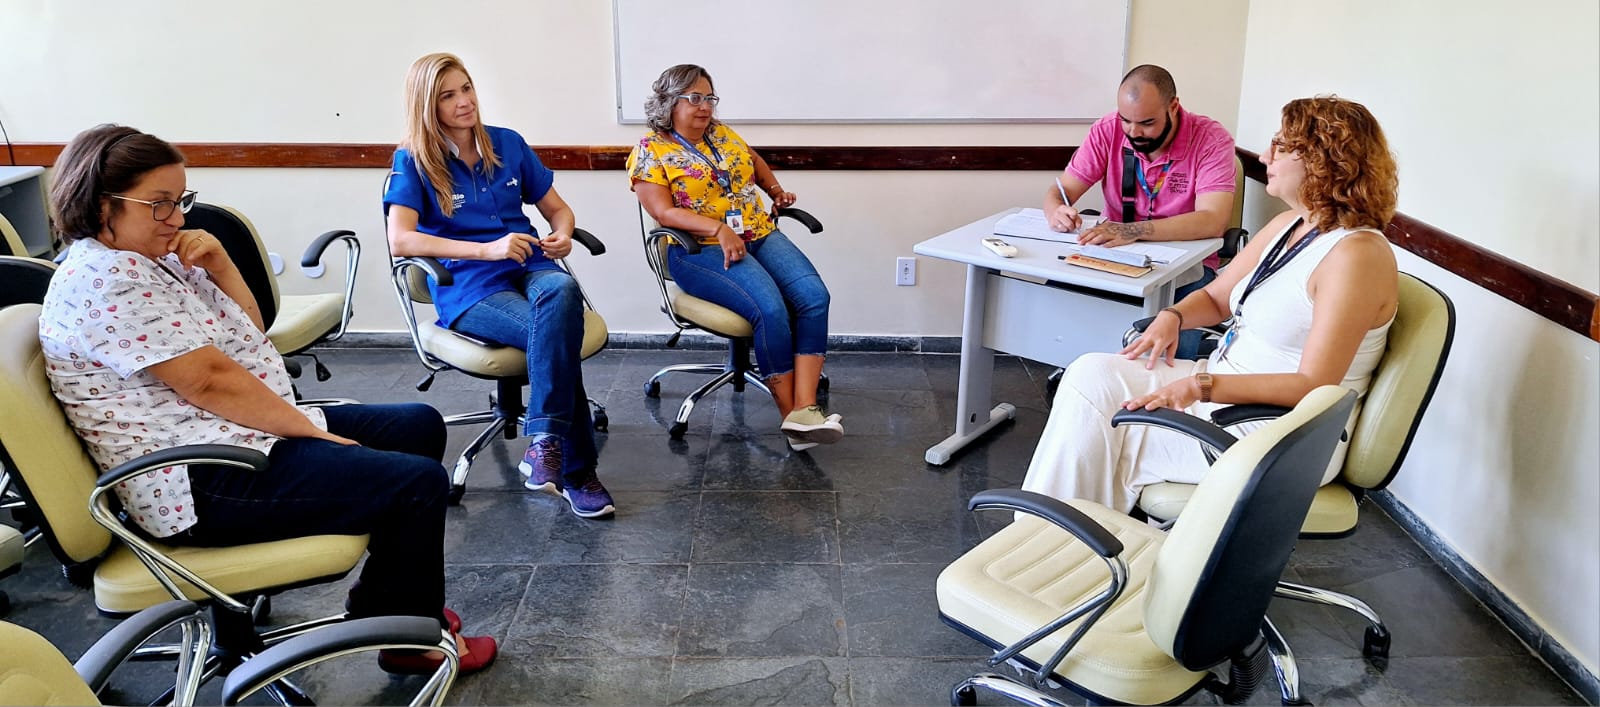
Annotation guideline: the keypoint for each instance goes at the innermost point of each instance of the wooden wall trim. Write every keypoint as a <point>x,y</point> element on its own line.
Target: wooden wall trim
<point>606,157</point>
<point>1552,298</point>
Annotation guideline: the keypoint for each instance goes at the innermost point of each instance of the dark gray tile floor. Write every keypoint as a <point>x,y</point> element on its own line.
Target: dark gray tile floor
<point>738,572</point>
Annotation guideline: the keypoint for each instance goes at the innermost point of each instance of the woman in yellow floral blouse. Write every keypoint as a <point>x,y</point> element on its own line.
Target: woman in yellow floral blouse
<point>693,173</point>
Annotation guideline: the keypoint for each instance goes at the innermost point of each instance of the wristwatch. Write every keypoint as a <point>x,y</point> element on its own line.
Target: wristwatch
<point>1203,378</point>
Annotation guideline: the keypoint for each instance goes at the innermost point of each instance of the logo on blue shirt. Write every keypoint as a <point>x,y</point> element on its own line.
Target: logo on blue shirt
<point>513,182</point>
<point>457,200</point>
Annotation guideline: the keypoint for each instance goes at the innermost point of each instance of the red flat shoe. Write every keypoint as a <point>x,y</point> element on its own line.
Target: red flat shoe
<point>454,621</point>
<point>481,651</point>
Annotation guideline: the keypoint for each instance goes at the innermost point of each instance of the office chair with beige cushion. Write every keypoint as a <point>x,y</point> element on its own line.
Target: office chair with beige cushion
<point>128,571</point>
<point>22,280</point>
<point>689,312</point>
<point>1402,386</point>
<point>442,349</point>
<point>33,672</point>
<point>10,240</point>
<point>295,323</point>
<point>1149,625</point>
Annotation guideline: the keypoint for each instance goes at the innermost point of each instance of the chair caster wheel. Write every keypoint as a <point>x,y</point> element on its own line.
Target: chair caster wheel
<point>677,430</point>
<point>601,422</point>
<point>963,697</point>
<point>652,389</point>
<point>1375,645</point>
<point>456,492</point>
<point>79,574</point>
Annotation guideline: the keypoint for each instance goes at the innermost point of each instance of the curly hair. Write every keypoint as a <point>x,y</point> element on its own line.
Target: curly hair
<point>1351,179</point>
<point>664,93</point>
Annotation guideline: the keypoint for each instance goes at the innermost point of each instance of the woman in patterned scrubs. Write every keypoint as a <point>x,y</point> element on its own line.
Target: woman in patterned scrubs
<point>152,340</point>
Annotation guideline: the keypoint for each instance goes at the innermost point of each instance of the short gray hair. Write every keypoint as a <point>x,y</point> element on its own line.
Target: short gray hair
<point>665,91</point>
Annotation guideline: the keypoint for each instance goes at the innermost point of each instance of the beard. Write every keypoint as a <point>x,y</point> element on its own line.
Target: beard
<point>1147,145</point>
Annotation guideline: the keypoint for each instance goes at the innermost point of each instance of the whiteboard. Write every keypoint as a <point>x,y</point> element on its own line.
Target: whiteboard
<point>880,61</point>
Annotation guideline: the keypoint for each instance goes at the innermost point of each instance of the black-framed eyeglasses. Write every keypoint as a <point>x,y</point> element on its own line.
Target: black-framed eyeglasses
<point>695,99</point>
<point>161,209</point>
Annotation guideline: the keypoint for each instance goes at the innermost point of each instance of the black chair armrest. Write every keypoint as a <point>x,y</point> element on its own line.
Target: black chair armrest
<point>1235,414</point>
<point>1231,239</point>
<point>331,642</point>
<point>679,236</point>
<point>187,454</point>
<point>434,268</point>
<point>1166,418</point>
<point>588,241</point>
<point>1066,517</point>
<point>806,219</point>
<point>1088,212</point>
<point>102,658</point>
<point>313,254</point>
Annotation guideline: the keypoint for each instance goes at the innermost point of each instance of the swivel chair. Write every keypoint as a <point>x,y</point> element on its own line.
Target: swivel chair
<point>689,312</point>
<point>1168,607</point>
<point>38,674</point>
<point>441,349</point>
<point>11,241</point>
<point>129,572</point>
<point>1402,386</point>
<point>22,280</point>
<point>295,323</point>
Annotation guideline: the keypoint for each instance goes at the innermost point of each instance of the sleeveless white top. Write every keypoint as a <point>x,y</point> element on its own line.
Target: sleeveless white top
<point>1271,330</point>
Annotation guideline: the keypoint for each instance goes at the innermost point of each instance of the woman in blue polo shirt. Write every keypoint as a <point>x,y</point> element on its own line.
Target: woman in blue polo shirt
<point>455,193</point>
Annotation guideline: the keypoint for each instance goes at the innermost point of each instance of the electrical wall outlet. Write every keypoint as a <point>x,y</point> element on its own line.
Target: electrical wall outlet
<point>905,272</point>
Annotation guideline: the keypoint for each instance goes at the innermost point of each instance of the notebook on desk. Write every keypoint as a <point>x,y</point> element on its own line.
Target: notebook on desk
<point>1031,223</point>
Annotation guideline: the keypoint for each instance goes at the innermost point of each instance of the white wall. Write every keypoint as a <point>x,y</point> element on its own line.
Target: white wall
<point>1494,114</point>
<point>334,72</point>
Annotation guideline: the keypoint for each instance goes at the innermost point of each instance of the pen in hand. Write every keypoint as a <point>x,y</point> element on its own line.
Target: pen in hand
<point>1063,190</point>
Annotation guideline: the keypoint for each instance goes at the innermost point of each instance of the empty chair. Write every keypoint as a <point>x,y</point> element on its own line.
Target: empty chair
<point>295,323</point>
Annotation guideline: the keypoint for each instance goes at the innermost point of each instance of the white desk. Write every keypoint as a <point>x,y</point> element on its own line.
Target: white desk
<point>1038,307</point>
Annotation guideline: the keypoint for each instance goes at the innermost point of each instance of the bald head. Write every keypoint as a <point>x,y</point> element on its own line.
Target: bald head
<point>1146,77</point>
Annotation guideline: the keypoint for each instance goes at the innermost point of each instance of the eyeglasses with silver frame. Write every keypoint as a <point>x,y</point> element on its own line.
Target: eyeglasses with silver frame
<point>696,99</point>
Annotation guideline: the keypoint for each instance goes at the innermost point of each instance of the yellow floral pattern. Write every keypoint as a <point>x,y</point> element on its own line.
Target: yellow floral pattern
<point>659,159</point>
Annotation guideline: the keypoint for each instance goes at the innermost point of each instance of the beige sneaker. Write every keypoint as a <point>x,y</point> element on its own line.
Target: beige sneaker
<point>808,424</point>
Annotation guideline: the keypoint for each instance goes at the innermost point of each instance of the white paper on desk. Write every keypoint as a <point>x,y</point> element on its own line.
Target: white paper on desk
<point>1158,254</point>
<point>1031,223</point>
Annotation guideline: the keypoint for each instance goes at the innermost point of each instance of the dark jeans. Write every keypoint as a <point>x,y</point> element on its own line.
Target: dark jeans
<point>391,486</point>
<point>1189,340</point>
<point>545,320</point>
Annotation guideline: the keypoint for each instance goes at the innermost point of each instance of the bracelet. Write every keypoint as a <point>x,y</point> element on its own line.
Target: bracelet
<point>775,188</point>
<point>1175,313</point>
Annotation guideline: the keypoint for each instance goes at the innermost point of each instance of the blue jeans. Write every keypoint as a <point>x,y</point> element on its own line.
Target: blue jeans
<point>775,287</point>
<point>1189,340</point>
<point>391,487</point>
<point>545,320</point>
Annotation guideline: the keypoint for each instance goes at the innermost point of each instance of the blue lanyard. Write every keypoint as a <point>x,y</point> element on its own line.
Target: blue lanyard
<point>717,172</point>
<point>1275,259</point>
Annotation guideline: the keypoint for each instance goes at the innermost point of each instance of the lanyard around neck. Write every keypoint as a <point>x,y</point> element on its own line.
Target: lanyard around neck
<point>1275,260</point>
<point>721,175</point>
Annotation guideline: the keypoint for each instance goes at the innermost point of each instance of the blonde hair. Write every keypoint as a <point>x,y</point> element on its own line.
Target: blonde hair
<point>425,137</point>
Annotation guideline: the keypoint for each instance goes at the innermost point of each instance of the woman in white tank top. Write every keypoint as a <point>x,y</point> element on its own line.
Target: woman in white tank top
<point>1311,305</point>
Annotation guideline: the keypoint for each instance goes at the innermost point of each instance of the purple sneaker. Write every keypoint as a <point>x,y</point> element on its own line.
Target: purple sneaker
<point>542,465</point>
<point>589,499</point>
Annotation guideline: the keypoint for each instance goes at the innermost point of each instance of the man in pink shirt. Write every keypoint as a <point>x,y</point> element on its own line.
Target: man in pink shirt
<point>1167,175</point>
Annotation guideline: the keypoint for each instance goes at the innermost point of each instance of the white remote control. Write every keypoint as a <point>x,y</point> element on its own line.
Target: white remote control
<point>1000,248</point>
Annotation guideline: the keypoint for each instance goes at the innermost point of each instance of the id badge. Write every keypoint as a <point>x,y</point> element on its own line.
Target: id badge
<point>735,220</point>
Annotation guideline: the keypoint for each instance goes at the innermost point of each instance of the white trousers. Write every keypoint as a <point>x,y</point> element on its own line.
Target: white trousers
<point>1082,456</point>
